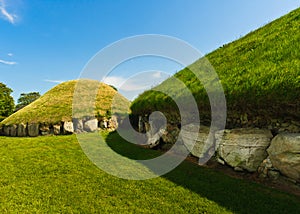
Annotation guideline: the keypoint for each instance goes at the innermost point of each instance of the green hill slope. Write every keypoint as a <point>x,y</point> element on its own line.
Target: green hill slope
<point>56,105</point>
<point>260,74</point>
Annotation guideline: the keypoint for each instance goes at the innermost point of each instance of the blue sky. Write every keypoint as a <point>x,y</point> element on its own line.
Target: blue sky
<point>45,42</point>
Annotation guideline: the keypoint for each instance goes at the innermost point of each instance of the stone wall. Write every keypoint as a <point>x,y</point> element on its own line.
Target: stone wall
<point>272,150</point>
<point>82,125</point>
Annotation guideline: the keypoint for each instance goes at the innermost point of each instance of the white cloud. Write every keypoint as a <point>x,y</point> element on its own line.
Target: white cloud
<point>131,86</point>
<point>5,14</point>
<point>125,84</point>
<point>157,74</point>
<point>54,81</point>
<point>7,62</point>
<point>10,54</point>
<point>114,80</point>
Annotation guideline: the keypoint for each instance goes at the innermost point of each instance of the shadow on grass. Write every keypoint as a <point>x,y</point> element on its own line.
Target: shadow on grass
<point>237,195</point>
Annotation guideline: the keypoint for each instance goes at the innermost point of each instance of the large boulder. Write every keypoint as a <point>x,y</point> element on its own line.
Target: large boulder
<point>284,153</point>
<point>13,130</point>
<point>154,139</point>
<point>56,129</point>
<point>198,140</point>
<point>243,148</point>
<point>68,128</point>
<point>21,130</point>
<point>6,130</point>
<point>91,125</point>
<point>78,125</point>
<point>113,123</point>
<point>44,129</point>
<point>33,129</point>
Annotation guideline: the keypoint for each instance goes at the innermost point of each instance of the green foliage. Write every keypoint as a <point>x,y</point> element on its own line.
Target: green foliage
<point>27,98</point>
<point>6,101</point>
<point>52,175</point>
<point>259,73</point>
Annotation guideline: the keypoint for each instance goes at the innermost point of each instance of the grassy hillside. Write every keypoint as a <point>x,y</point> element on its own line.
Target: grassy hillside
<point>56,105</point>
<point>52,175</point>
<point>260,74</point>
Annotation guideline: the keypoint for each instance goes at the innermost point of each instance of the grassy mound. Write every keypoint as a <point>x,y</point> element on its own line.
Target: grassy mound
<point>52,175</point>
<point>260,74</point>
<point>56,105</point>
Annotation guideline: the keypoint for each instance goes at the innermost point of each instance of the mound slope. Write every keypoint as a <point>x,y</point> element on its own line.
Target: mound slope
<point>55,106</point>
<point>260,74</point>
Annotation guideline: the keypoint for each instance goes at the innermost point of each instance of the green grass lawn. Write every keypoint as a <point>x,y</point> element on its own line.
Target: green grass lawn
<point>52,174</point>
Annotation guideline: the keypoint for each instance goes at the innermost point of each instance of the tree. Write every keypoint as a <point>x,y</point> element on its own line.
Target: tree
<point>6,101</point>
<point>27,98</point>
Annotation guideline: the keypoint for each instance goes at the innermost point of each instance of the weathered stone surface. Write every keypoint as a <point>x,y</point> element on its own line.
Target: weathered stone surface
<point>78,125</point>
<point>91,125</point>
<point>113,123</point>
<point>154,139</point>
<point>284,153</point>
<point>33,130</point>
<point>103,124</point>
<point>6,130</point>
<point>68,128</point>
<point>198,141</point>
<point>56,129</point>
<point>21,130</point>
<point>13,130</point>
<point>244,148</point>
<point>44,129</point>
<point>171,135</point>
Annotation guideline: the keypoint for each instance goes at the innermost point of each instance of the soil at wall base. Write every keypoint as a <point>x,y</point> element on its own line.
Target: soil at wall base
<point>254,177</point>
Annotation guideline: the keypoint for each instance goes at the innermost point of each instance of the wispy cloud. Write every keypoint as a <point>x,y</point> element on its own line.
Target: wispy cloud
<point>54,81</point>
<point>7,62</point>
<point>5,14</point>
<point>10,54</point>
<point>157,74</point>
<point>138,82</point>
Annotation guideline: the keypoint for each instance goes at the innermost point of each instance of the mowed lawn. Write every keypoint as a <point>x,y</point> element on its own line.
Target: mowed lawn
<point>52,174</point>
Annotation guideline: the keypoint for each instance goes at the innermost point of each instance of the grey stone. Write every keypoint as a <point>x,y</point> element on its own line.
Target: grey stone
<point>21,130</point>
<point>13,130</point>
<point>244,148</point>
<point>153,140</point>
<point>91,125</point>
<point>113,123</point>
<point>198,141</point>
<point>44,129</point>
<point>78,125</point>
<point>103,124</point>
<point>68,128</point>
<point>274,175</point>
<point>293,128</point>
<point>220,161</point>
<point>238,169</point>
<point>33,130</point>
<point>6,130</point>
<point>171,135</point>
<point>56,129</point>
<point>284,153</point>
